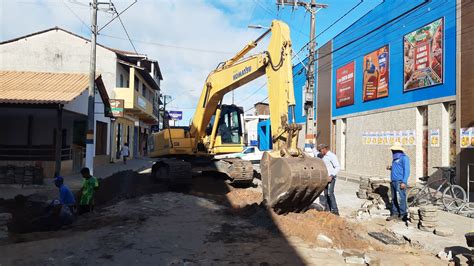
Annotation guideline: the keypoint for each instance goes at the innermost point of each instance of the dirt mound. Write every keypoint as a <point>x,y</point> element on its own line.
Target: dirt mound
<point>240,198</point>
<point>310,224</point>
<point>306,226</point>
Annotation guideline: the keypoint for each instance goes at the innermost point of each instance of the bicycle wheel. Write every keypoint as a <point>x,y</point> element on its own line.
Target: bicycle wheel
<point>453,197</point>
<point>417,196</point>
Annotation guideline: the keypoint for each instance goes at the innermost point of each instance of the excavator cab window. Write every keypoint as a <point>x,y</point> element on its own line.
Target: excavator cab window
<point>230,127</point>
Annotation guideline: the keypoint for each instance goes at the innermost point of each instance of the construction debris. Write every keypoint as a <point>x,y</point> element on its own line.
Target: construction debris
<point>387,238</point>
<point>369,187</point>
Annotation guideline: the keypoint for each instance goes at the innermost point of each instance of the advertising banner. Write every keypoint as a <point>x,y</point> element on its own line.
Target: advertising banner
<point>423,56</point>
<point>434,137</point>
<point>376,70</point>
<point>345,85</point>
<point>467,137</point>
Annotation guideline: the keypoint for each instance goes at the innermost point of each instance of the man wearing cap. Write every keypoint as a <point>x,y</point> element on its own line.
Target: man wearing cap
<point>400,171</point>
<point>333,167</point>
<point>65,195</point>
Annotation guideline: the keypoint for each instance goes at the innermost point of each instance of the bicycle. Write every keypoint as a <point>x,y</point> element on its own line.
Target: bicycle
<point>453,196</point>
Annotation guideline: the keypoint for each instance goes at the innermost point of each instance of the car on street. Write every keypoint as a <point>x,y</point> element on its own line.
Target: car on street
<point>249,153</point>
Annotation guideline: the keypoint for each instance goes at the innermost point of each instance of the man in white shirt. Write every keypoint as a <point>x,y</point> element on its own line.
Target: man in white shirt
<point>333,167</point>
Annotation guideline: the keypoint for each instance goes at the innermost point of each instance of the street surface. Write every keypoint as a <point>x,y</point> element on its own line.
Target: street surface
<point>139,222</point>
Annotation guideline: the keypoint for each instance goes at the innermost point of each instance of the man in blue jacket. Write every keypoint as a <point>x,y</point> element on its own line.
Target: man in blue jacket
<point>400,171</point>
<point>65,195</point>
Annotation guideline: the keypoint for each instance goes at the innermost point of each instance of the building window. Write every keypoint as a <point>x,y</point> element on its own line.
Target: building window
<point>121,81</point>
<point>137,83</point>
<point>128,83</point>
<point>144,90</point>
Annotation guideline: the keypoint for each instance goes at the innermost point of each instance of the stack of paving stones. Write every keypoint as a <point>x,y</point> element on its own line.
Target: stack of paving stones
<point>414,213</point>
<point>25,175</point>
<point>5,218</point>
<point>428,218</point>
<point>364,188</point>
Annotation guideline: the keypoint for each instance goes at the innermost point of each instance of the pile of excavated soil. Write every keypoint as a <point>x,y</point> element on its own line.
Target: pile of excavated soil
<point>306,226</point>
<point>240,198</point>
<point>310,224</point>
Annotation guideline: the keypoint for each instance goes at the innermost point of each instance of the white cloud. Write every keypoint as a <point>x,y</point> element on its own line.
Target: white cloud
<point>215,26</point>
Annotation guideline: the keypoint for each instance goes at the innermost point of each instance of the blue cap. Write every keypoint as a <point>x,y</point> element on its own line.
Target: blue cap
<point>58,179</point>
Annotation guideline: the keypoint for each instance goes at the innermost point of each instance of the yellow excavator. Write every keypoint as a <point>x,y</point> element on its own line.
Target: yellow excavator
<point>291,180</point>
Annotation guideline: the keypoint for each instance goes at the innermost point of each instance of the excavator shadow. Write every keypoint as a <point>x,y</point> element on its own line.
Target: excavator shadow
<point>209,223</point>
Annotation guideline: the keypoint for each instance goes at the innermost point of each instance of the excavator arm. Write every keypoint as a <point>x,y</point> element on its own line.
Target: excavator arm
<point>275,63</point>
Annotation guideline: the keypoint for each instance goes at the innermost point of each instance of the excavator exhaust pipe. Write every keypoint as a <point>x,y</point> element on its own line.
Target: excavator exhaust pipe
<point>291,184</point>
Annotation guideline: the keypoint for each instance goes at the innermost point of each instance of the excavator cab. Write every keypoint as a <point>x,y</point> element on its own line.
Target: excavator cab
<point>226,135</point>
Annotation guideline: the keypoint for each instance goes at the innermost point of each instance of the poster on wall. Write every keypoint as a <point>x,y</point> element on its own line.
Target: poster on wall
<point>423,56</point>
<point>467,138</point>
<point>375,80</point>
<point>345,85</point>
<point>405,137</point>
<point>434,137</point>
<point>374,138</point>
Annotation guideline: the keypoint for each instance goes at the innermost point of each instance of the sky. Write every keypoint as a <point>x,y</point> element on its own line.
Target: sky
<point>187,37</point>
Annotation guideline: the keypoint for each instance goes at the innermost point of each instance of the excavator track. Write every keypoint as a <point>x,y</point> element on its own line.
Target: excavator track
<point>240,172</point>
<point>173,172</point>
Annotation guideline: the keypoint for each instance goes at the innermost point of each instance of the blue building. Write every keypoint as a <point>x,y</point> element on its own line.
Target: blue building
<point>395,75</point>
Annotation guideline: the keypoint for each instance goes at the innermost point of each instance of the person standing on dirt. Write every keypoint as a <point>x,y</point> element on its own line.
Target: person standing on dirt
<point>400,171</point>
<point>125,152</point>
<point>333,167</point>
<point>89,186</point>
<point>65,195</point>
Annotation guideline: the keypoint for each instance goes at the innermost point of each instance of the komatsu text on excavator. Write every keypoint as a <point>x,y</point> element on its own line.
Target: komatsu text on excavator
<point>291,180</point>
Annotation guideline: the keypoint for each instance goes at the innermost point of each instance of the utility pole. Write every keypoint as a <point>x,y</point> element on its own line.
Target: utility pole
<point>91,99</point>
<point>311,7</point>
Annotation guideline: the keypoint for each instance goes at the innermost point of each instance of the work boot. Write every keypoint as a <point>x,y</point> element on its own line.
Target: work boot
<point>393,218</point>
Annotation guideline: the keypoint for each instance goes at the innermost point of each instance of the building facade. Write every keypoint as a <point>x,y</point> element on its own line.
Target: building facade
<point>400,73</point>
<point>45,117</point>
<point>127,76</point>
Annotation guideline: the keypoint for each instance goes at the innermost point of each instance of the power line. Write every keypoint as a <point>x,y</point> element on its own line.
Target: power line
<point>169,45</point>
<point>125,29</point>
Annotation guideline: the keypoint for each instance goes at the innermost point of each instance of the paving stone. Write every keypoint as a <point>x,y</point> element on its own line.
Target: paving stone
<point>324,241</point>
<point>440,231</point>
<point>383,212</point>
<point>428,208</point>
<point>352,253</point>
<point>428,224</point>
<point>431,219</point>
<point>355,260</point>
<point>371,260</point>
<point>426,229</point>
<point>431,214</point>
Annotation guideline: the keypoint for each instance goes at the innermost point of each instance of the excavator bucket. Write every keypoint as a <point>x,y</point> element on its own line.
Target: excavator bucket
<point>291,184</point>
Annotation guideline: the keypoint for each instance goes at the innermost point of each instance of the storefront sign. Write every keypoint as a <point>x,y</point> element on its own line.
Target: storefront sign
<point>175,115</point>
<point>467,137</point>
<point>423,56</point>
<point>141,102</point>
<point>376,70</point>
<point>116,106</point>
<point>434,137</point>
<point>345,85</point>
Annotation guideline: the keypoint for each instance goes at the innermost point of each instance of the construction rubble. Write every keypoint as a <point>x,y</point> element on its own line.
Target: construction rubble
<point>376,192</point>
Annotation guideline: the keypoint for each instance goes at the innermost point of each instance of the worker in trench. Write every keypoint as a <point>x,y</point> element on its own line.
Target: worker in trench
<point>89,187</point>
<point>66,197</point>
<point>333,167</point>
